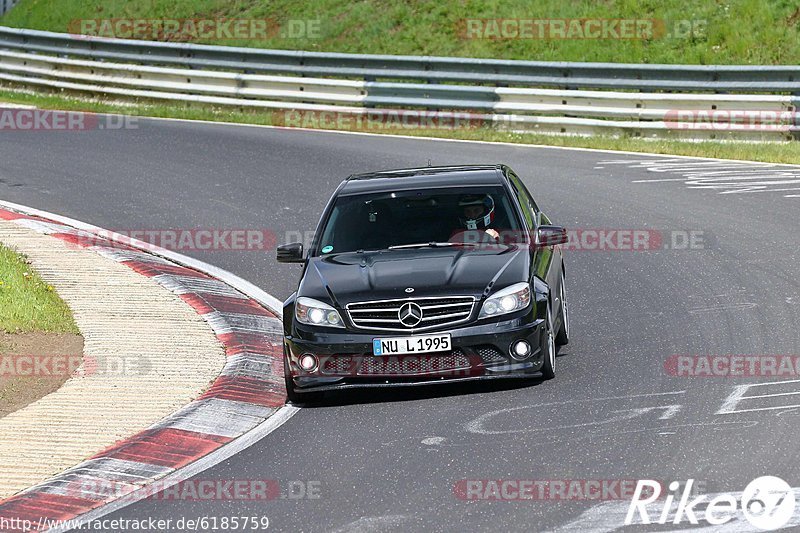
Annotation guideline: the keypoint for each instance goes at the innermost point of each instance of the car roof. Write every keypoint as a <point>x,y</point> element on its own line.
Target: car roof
<point>424,177</point>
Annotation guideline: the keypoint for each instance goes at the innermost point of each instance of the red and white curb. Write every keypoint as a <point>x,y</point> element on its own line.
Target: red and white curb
<point>245,403</point>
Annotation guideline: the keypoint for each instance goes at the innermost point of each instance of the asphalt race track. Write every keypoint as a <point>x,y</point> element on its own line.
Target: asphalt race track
<point>391,461</point>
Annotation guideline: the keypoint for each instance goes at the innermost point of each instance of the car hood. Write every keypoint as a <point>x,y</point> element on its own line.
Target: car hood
<point>353,277</point>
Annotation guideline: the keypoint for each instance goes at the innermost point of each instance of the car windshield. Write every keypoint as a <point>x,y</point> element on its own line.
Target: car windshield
<point>453,216</point>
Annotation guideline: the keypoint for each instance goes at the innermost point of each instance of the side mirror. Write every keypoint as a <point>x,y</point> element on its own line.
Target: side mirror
<point>290,253</point>
<point>552,235</point>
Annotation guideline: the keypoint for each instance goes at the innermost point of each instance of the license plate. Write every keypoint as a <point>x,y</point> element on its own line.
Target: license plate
<point>407,345</point>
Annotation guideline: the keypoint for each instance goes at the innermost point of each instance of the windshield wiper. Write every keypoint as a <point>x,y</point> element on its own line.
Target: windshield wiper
<point>432,245</point>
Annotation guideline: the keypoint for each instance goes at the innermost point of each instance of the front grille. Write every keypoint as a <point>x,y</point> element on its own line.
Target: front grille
<point>339,365</point>
<point>403,365</point>
<point>490,355</point>
<point>436,312</point>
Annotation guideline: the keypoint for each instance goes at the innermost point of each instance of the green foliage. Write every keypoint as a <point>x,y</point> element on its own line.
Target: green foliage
<point>26,302</point>
<point>728,31</point>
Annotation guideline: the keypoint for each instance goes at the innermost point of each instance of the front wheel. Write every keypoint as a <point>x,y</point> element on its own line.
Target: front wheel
<point>563,332</point>
<point>549,366</point>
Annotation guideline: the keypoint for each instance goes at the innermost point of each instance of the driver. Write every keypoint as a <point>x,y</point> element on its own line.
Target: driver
<point>478,213</point>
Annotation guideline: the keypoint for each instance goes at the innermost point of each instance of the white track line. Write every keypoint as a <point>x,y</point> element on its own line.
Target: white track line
<point>442,139</point>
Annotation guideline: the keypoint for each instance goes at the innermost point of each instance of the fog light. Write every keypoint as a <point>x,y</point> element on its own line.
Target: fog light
<point>308,362</point>
<point>520,350</point>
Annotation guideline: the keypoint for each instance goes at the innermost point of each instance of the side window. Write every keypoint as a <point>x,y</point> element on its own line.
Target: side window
<point>529,208</point>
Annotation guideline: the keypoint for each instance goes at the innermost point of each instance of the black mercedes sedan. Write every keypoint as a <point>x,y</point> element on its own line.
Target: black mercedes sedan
<point>426,275</point>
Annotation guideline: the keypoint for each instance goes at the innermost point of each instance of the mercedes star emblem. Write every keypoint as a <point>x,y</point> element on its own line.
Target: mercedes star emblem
<point>410,314</point>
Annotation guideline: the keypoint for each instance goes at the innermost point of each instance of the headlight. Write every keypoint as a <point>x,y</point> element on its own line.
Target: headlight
<point>508,300</point>
<point>315,313</point>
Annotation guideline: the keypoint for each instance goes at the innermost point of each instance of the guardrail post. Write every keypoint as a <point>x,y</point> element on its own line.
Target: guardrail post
<point>7,5</point>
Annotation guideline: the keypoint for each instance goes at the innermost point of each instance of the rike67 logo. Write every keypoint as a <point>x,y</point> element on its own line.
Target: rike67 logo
<point>767,503</point>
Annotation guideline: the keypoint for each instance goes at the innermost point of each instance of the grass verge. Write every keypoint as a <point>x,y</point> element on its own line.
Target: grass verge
<point>28,304</point>
<point>701,32</point>
<point>774,152</point>
<point>35,325</point>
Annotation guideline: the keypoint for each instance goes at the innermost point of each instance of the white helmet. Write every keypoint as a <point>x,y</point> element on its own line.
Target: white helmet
<point>481,221</point>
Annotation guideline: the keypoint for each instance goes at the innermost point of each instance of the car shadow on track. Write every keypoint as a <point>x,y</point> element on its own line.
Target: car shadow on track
<point>418,392</point>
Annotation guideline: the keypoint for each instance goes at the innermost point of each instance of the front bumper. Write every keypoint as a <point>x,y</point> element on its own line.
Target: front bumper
<point>479,351</point>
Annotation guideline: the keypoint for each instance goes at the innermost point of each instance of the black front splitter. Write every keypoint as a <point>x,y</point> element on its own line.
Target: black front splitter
<point>422,383</point>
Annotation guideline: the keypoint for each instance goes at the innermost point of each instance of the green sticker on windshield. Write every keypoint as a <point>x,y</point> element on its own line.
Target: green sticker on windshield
<point>327,249</point>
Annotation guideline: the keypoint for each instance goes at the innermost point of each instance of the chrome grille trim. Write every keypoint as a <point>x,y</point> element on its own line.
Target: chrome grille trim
<point>439,317</point>
<point>381,315</point>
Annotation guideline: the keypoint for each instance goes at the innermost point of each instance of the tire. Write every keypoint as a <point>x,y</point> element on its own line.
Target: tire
<point>562,337</point>
<point>549,365</point>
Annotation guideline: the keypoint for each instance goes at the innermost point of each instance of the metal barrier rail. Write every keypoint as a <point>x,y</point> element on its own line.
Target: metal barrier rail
<point>6,5</point>
<point>372,67</point>
<point>236,76</point>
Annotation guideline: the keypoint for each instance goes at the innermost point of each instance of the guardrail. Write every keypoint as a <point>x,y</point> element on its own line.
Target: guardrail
<point>546,97</point>
<point>6,5</point>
